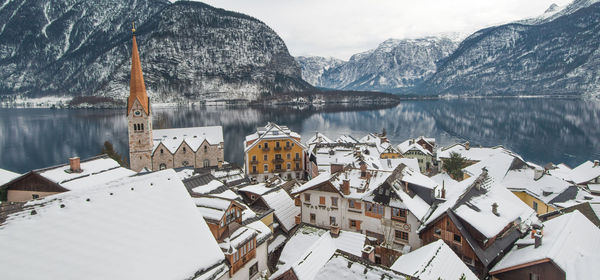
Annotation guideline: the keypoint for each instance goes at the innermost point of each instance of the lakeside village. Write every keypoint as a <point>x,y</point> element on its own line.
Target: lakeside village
<point>350,208</point>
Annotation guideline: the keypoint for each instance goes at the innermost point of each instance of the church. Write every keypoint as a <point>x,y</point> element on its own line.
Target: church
<point>165,148</point>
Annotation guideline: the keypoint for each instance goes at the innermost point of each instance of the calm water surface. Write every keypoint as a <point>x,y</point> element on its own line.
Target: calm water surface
<point>541,130</point>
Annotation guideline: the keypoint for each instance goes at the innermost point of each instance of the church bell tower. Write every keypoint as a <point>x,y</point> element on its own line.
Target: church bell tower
<point>139,116</point>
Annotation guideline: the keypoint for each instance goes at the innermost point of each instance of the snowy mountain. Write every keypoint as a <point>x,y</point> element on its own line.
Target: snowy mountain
<point>313,67</point>
<point>556,53</point>
<point>188,50</point>
<point>394,66</point>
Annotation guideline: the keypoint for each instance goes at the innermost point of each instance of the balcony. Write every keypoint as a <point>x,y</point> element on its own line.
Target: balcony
<point>254,172</point>
<point>277,160</point>
<point>254,162</point>
<point>276,170</point>
<point>297,159</point>
<point>265,149</point>
<point>277,148</point>
<point>287,148</point>
<point>298,169</point>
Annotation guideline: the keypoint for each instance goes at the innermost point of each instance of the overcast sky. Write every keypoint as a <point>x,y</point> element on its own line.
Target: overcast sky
<point>340,28</point>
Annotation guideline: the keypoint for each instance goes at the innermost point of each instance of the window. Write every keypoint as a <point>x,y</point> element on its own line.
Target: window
<point>205,149</point>
<point>307,197</point>
<point>287,144</point>
<point>253,168</point>
<point>322,200</point>
<point>266,157</point>
<point>352,223</point>
<point>334,201</point>
<point>142,127</point>
<point>253,158</point>
<point>437,231</point>
<point>313,218</point>
<point>535,206</point>
<point>289,166</point>
<point>332,220</point>
<point>277,145</point>
<point>533,276</point>
<point>355,224</point>
<point>457,238</point>
<point>253,270</point>
<point>278,166</point>
<point>297,166</point>
<point>353,204</point>
<point>401,235</point>
<point>162,151</point>
<point>277,156</point>
<point>206,163</point>
<point>266,145</point>
<point>266,168</point>
<point>162,166</point>
<point>297,155</point>
<point>35,196</point>
<point>184,150</point>
<point>289,156</point>
<point>374,210</point>
<point>399,214</point>
<point>297,201</point>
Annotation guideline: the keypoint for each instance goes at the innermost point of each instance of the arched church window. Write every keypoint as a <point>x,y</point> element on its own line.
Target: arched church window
<point>162,166</point>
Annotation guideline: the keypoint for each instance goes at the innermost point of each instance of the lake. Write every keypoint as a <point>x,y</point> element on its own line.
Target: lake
<point>540,129</point>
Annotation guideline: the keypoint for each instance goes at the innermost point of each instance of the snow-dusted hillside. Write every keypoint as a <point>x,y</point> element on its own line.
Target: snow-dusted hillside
<point>556,53</point>
<point>394,66</point>
<point>188,50</point>
<point>313,67</point>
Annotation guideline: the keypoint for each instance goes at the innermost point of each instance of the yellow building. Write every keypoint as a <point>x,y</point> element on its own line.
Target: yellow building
<point>274,149</point>
<point>535,203</point>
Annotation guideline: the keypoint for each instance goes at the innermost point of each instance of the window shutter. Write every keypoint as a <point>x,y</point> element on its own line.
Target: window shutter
<point>322,200</point>
<point>358,225</point>
<point>357,204</point>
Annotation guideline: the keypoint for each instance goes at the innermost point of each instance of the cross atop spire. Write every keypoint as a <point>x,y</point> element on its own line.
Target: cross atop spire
<point>137,89</point>
<point>133,27</point>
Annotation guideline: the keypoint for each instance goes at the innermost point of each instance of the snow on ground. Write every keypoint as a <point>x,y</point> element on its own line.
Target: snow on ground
<point>141,227</point>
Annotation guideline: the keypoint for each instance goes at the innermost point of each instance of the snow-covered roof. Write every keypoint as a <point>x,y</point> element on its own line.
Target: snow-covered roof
<point>561,171</point>
<point>473,153</point>
<point>411,144</point>
<point>209,187</point>
<point>546,188</point>
<point>172,138</point>
<point>7,176</point>
<point>318,138</point>
<point>259,189</point>
<point>433,261</point>
<point>472,201</point>
<point>276,243</point>
<point>346,139</point>
<point>344,154</point>
<point>271,131</point>
<point>94,171</point>
<point>284,207</point>
<point>140,227</point>
<point>238,238</point>
<point>212,207</point>
<point>310,248</point>
<point>585,172</point>
<point>389,164</point>
<point>339,266</point>
<point>571,241</point>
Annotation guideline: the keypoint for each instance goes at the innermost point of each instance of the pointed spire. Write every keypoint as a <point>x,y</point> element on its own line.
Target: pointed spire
<point>137,89</point>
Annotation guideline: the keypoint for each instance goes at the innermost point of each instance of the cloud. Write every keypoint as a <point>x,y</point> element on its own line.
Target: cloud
<point>340,28</point>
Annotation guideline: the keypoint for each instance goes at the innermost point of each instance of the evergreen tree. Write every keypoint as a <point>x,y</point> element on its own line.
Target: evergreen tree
<point>454,166</point>
<point>109,150</point>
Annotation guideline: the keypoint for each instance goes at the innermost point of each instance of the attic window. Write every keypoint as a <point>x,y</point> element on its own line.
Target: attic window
<point>457,238</point>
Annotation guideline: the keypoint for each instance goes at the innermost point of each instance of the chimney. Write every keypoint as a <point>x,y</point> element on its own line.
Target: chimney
<point>220,164</point>
<point>335,230</point>
<point>363,170</point>
<point>336,167</point>
<point>346,187</point>
<point>495,209</point>
<point>405,187</point>
<point>596,163</point>
<point>538,238</point>
<point>74,163</point>
<point>443,191</point>
<point>368,253</point>
<point>467,145</point>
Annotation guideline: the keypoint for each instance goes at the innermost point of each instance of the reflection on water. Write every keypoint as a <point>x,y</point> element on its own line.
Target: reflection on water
<point>541,130</point>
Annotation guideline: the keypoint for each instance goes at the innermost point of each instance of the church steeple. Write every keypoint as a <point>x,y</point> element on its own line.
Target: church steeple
<point>137,89</point>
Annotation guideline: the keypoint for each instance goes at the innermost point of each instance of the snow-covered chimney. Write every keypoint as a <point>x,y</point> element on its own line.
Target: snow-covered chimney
<point>443,191</point>
<point>74,164</point>
<point>368,253</point>
<point>537,174</point>
<point>495,209</point>
<point>596,163</point>
<point>538,238</point>
<point>220,164</point>
<point>467,145</point>
<point>334,167</point>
